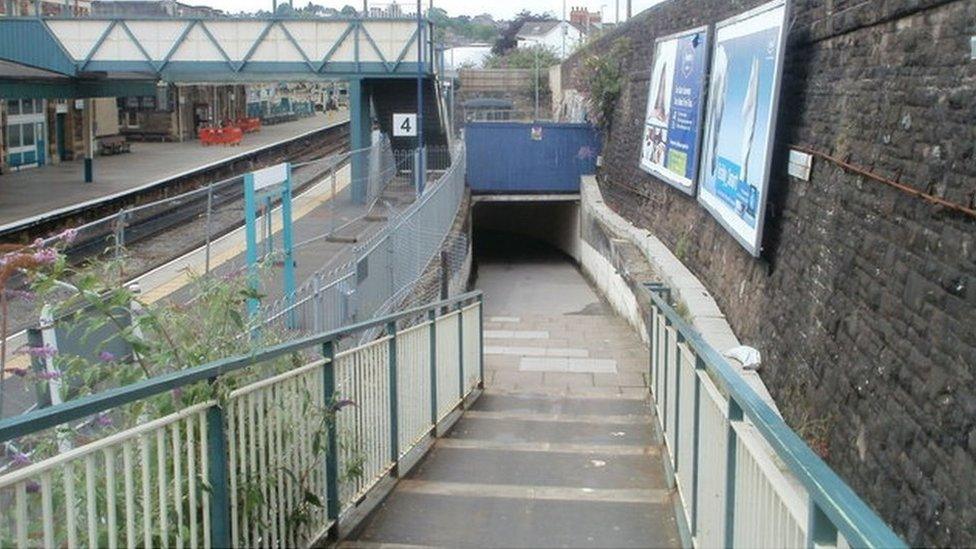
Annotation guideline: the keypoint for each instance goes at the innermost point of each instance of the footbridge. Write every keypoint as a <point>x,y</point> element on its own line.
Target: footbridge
<point>218,50</point>
<point>58,57</point>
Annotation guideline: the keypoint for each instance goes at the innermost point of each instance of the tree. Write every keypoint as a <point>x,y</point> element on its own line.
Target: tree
<point>348,11</point>
<point>508,39</point>
<point>523,58</point>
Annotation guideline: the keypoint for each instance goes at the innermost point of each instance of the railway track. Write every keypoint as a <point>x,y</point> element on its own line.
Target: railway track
<point>154,237</point>
<point>300,149</point>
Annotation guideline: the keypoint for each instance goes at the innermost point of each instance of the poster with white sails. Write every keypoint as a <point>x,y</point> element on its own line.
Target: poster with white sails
<point>747,58</point>
<point>670,144</point>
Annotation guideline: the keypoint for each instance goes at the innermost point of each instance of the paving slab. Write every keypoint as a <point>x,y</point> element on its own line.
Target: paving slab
<point>426,519</point>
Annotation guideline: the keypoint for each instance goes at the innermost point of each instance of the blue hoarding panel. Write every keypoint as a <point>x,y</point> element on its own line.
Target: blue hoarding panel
<point>519,157</point>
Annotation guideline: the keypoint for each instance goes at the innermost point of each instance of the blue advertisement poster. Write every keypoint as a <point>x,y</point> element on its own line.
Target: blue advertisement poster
<point>670,145</point>
<point>740,120</point>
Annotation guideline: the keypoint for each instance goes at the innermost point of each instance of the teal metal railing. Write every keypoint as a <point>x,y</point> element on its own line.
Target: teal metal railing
<point>276,462</point>
<point>745,479</point>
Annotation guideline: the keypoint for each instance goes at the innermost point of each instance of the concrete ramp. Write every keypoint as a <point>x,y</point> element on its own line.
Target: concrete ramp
<point>561,449</point>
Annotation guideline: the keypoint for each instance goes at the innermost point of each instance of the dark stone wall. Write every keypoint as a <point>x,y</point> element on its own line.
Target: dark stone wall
<point>864,301</point>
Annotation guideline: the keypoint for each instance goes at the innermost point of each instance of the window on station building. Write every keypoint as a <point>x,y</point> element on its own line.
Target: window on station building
<point>27,137</point>
<point>13,136</point>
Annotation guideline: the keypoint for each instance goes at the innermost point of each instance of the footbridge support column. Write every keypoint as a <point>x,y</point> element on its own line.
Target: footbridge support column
<point>360,129</point>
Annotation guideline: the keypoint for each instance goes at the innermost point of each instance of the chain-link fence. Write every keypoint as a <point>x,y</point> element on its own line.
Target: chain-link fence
<point>387,267</point>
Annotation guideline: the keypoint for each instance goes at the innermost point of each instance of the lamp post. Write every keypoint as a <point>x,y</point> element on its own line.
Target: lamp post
<point>536,48</point>
<point>421,169</point>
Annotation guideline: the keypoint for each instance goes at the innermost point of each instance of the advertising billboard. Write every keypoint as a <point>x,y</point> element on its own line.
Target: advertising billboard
<point>672,137</point>
<point>747,59</point>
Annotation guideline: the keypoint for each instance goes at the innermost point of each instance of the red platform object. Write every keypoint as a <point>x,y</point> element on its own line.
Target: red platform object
<point>228,135</point>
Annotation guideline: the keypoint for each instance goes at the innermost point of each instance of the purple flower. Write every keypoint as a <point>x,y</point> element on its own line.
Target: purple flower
<point>103,420</point>
<point>44,351</point>
<point>20,294</point>
<point>177,393</point>
<point>48,375</point>
<point>46,256</point>
<point>106,356</point>
<point>38,243</point>
<point>68,236</point>
<point>33,487</point>
<point>20,459</point>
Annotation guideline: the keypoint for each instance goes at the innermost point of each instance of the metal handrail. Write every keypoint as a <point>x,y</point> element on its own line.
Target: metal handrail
<point>846,511</point>
<point>38,420</point>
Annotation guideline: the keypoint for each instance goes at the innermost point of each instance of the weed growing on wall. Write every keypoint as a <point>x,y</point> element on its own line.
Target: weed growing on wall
<point>601,80</point>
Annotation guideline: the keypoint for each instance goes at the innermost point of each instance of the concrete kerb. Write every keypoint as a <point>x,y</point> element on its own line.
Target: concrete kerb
<point>620,288</point>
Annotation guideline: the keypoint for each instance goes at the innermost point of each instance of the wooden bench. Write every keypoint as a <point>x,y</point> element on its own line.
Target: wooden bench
<point>113,144</point>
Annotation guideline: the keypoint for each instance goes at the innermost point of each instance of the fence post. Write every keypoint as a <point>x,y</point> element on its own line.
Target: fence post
<point>677,398</point>
<point>432,318</point>
<point>695,444</point>
<point>460,313</point>
<point>206,268</point>
<point>735,415</point>
<point>119,233</point>
<point>331,451</point>
<point>481,341</point>
<point>316,304</point>
<point>217,477</point>
<point>394,400</point>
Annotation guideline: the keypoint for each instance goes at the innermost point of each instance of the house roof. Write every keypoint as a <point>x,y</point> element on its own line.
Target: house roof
<point>541,28</point>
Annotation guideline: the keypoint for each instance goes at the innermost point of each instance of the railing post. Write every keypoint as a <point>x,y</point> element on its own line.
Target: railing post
<point>820,531</point>
<point>695,465</point>
<point>735,415</point>
<point>217,478</point>
<point>677,399</point>
<point>481,342</point>
<point>394,400</point>
<point>460,313</point>
<point>664,379</point>
<point>331,451</point>
<point>432,318</point>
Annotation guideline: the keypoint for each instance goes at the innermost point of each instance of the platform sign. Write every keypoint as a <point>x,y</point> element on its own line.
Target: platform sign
<point>405,124</point>
<point>747,61</point>
<point>262,188</point>
<point>672,125</point>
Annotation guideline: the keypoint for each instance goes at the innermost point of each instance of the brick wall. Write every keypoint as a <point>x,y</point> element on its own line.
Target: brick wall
<point>864,302</point>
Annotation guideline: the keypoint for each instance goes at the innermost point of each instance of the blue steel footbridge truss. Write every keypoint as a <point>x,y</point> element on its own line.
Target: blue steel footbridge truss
<point>218,49</point>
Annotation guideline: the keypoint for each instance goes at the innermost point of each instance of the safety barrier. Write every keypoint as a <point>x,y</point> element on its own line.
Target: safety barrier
<point>384,268</point>
<point>276,462</point>
<point>745,479</point>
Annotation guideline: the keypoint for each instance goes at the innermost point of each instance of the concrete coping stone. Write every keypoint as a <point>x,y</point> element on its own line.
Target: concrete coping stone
<point>686,288</point>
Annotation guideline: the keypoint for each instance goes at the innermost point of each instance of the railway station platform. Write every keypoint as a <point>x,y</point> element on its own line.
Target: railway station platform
<point>32,195</point>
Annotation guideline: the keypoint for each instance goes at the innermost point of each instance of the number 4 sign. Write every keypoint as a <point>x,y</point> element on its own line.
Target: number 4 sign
<point>404,125</point>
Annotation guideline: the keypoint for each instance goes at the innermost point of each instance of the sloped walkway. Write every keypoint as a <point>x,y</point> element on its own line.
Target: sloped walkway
<point>560,450</point>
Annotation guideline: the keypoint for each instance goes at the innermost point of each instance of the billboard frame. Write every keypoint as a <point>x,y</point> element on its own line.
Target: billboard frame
<point>754,248</point>
<point>666,178</point>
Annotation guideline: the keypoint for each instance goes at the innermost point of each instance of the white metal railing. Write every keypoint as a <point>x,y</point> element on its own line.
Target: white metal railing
<point>744,478</point>
<point>274,463</point>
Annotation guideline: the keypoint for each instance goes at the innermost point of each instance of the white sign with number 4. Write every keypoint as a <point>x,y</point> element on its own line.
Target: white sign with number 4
<point>404,125</point>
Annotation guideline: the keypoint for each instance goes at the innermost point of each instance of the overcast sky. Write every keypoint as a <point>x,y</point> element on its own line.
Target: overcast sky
<point>499,9</point>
